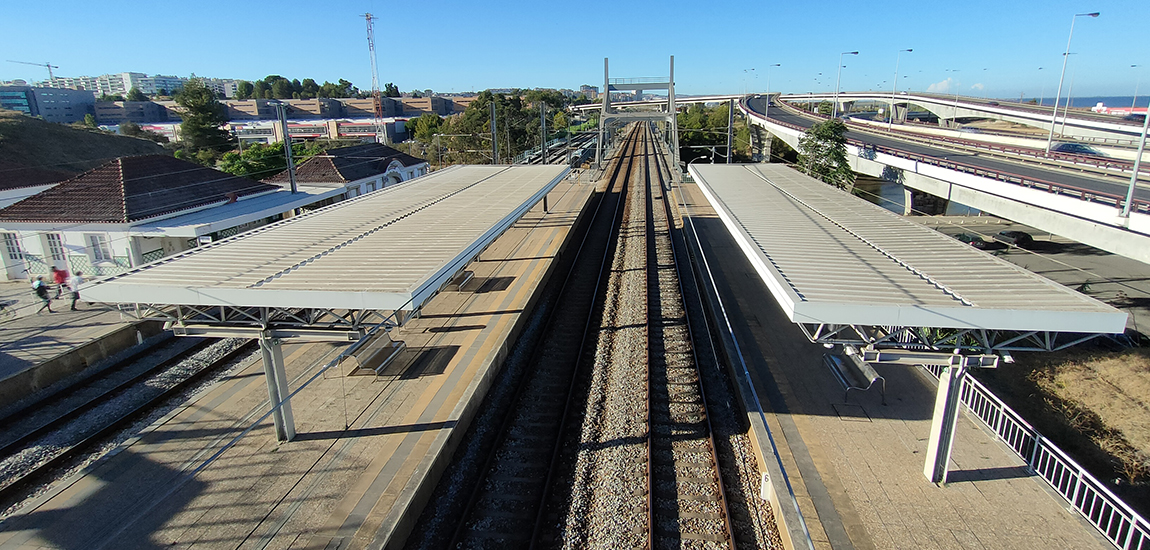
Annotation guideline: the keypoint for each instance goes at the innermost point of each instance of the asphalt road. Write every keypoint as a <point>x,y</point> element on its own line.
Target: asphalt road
<point>1097,185</point>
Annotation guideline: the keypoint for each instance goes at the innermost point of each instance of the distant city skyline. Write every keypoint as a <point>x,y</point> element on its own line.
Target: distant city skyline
<point>978,48</point>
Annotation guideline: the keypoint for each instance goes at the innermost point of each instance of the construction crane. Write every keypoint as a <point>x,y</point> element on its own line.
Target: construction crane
<point>50,66</point>
<point>377,97</point>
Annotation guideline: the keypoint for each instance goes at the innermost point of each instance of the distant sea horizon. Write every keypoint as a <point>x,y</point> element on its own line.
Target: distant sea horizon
<point>1090,101</point>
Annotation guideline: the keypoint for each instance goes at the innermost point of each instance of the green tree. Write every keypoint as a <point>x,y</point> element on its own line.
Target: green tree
<point>823,154</point>
<point>203,115</point>
<point>390,90</point>
<point>260,90</point>
<point>559,121</point>
<point>90,120</point>
<point>136,95</point>
<point>415,94</point>
<point>244,90</point>
<point>281,89</point>
<point>260,161</point>
<point>425,127</point>
<point>114,97</point>
<point>309,89</point>
<point>826,108</point>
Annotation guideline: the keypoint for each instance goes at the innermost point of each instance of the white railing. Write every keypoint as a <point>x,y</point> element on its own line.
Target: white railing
<point>1121,525</point>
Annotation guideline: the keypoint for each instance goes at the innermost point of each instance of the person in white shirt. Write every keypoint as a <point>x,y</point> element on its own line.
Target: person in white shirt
<point>74,283</point>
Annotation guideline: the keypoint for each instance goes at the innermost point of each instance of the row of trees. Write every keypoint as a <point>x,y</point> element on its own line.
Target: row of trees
<point>466,137</point>
<point>277,87</point>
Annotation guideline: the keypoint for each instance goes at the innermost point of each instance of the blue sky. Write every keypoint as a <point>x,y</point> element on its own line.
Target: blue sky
<point>991,48</point>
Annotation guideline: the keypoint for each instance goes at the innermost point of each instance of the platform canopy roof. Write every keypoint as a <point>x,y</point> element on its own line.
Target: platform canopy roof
<point>832,259</point>
<point>388,250</point>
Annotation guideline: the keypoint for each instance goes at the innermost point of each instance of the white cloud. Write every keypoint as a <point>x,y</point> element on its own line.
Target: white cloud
<point>978,86</point>
<point>941,87</point>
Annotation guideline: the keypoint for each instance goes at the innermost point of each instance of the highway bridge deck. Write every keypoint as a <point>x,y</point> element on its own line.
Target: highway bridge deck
<point>331,487</point>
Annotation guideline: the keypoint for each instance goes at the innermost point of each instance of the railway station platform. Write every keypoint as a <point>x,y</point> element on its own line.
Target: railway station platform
<point>368,449</point>
<point>37,350</point>
<point>856,467</point>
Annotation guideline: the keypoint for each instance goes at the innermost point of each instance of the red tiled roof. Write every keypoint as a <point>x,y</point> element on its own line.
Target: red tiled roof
<point>347,164</point>
<point>130,189</point>
<point>15,176</point>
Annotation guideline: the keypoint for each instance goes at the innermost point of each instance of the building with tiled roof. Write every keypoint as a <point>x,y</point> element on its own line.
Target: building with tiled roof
<point>357,169</point>
<point>18,182</point>
<point>132,210</point>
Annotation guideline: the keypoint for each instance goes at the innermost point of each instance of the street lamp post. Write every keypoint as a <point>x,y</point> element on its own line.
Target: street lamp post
<point>1137,164</point>
<point>955,119</point>
<point>835,108</point>
<point>745,71</point>
<point>890,117</point>
<point>1042,94</point>
<point>1136,86</point>
<point>1058,95</point>
<point>767,107</point>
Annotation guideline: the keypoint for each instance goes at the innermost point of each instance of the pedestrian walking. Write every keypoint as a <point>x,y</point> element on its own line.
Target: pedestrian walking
<point>60,277</point>
<point>74,283</point>
<point>40,288</point>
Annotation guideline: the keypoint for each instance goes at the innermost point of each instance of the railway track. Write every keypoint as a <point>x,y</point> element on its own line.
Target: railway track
<point>68,426</point>
<point>608,442</point>
<point>505,505</point>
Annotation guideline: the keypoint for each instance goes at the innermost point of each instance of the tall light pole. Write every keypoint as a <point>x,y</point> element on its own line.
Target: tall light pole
<point>1042,94</point>
<point>745,71</point>
<point>767,107</point>
<point>1136,86</point>
<point>955,119</point>
<point>838,78</point>
<point>1058,95</point>
<point>1137,165</point>
<point>894,90</point>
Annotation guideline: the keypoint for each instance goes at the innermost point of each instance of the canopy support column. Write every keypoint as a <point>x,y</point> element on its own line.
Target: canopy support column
<point>942,426</point>
<point>277,387</point>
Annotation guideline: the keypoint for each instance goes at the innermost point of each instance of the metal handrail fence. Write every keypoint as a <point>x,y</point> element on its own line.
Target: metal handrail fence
<point>1119,523</point>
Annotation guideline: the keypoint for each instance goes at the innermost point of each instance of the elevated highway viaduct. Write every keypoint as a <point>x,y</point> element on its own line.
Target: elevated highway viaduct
<point>1080,207</point>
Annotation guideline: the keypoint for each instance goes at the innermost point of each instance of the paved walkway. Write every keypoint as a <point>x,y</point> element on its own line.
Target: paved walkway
<point>31,338</point>
<point>856,467</point>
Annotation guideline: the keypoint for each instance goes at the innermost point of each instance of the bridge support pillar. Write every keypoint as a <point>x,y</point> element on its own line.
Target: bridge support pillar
<point>899,113</point>
<point>277,387</point>
<point>946,405</point>
<point>923,203</point>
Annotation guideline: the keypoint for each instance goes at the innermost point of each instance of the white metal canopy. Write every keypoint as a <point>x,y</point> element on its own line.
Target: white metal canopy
<point>385,251</point>
<point>830,258</point>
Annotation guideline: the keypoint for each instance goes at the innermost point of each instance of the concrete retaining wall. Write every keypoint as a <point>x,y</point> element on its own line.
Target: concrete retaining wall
<point>27,382</point>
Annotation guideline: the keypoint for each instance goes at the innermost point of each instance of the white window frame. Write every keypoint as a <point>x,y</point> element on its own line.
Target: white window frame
<point>98,247</point>
<point>54,250</point>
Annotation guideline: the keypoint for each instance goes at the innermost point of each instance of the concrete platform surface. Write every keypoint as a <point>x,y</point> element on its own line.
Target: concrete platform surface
<point>28,338</point>
<point>856,466</point>
<point>369,448</point>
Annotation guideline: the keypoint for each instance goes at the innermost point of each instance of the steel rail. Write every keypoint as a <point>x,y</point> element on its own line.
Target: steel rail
<point>39,431</point>
<point>712,447</point>
<point>22,481</point>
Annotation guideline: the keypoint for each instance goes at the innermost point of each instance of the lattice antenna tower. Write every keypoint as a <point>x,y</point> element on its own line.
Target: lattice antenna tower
<point>376,96</point>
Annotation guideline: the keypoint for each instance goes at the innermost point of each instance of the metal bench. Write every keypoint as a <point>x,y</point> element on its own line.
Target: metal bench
<point>854,373</point>
<point>375,355</point>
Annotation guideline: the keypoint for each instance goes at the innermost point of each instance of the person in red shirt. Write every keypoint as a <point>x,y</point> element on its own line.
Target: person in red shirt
<point>60,276</point>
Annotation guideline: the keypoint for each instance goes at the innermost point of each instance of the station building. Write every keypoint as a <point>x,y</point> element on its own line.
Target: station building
<point>356,170</point>
<point>134,210</point>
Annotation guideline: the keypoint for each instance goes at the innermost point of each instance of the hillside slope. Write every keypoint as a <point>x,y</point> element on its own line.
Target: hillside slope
<point>30,146</point>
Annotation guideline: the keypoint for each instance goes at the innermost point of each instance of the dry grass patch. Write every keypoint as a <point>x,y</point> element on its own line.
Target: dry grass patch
<point>1093,404</point>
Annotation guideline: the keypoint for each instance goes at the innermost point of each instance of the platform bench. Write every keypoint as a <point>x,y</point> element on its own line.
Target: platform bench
<point>854,374</point>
